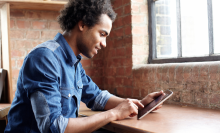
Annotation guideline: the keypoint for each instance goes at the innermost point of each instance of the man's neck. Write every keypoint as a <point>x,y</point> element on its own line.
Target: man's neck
<point>71,40</point>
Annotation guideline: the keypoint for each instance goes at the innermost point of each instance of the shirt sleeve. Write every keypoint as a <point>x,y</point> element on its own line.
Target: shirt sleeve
<point>40,78</point>
<point>92,96</point>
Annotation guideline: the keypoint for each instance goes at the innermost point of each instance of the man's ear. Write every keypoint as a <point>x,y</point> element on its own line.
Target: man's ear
<point>81,25</point>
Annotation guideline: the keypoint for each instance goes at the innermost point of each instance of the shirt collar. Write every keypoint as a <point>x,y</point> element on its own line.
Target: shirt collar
<point>68,50</point>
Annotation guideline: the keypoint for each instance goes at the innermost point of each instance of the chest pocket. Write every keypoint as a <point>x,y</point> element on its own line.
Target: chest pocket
<point>68,100</point>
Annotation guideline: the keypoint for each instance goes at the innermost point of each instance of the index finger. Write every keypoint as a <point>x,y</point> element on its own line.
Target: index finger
<point>138,103</point>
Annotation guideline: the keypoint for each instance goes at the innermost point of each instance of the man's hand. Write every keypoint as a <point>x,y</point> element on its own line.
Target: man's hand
<point>150,97</point>
<point>129,107</point>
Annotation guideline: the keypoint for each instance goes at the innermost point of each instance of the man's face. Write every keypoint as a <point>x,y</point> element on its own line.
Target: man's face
<point>93,39</point>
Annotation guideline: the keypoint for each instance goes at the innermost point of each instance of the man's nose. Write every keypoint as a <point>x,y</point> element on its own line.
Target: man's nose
<point>103,43</point>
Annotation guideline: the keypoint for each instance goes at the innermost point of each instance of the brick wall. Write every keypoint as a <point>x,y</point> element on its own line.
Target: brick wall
<point>121,67</point>
<point>127,73</point>
<point>0,42</point>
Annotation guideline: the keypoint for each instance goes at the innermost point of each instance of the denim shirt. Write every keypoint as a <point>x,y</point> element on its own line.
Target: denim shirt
<point>50,86</point>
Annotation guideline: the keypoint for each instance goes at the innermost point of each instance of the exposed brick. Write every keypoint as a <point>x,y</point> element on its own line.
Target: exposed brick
<point>204,72</point>
<point>110,72</point>
<point>15,73</point>
<point>22,24</point>
<point>127,9</point>
<point>128,51</point>
<point>33,34</point>
<point>12,24</point>
<point>143,9</point>
<point>20,44</point>
<point>128,40</point>
<point>110,81</point>
<point>179,74</point>
<point>98,63</point>
<point>49,15</point>
<point>39,24</point>
<point>120,71</point>
<point>119,43</point>
<point>127,30</point>
<point>120,91</point>
<point>140,1</point>
<point>98,81</point>
<point>201,99</point>
<point>120,52</point>
<point>48,34</point>
<point>117,3</point>
<point>127,20</point>
<point>16,34</point>
<point>128,71</point>
<point>195,73</point>
<point>126,2</point>
<point>118,22</point>
<point>187,97</point>
<point>137,18</point>
<point>119,81</point>
<point>140,30</point>
<point>138,40</point>
<point>34,14</point>
<point>13,63</point>
<point>19,63</point>
<point>128,82</point>
<point>128,92</point>
<point>17,14</point>
<point>119,12</point>
<point>215,99</point>
<point>135,8</point>
<point>187,74</point>
<point>17,53</point>
<point>164,74</point>
<point>136,93</point>
<point>37,42</point>
<point>214,72</point>
<point>119,32</point>
<point>54,26</point>
<point>86,63</point>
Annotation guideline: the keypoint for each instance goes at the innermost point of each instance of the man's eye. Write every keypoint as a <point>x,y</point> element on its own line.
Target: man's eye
<point>102,34</point>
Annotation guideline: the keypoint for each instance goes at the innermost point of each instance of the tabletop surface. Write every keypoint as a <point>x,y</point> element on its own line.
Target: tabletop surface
<point>171,119</point>
<point>4,108</point>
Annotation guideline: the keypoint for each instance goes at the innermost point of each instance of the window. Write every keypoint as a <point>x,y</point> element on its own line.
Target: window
<point>184,30</point>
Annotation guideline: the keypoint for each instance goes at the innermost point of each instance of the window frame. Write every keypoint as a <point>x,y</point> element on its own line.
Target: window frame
<point>152,38</point>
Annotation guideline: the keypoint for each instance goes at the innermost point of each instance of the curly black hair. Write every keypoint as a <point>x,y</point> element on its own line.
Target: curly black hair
<point>87,11</point>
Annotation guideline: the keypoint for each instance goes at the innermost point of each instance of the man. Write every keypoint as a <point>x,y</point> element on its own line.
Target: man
<point>52,81</point>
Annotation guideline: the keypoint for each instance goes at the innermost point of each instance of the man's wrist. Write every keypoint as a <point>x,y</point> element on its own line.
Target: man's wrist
<point>112,115</point>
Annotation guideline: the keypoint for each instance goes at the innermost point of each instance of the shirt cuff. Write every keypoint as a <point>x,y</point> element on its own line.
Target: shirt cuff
<point>60,124</point>
<point>101,100</point>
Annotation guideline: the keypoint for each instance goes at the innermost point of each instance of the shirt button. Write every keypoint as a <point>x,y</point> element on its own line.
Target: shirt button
<point>69,95</point>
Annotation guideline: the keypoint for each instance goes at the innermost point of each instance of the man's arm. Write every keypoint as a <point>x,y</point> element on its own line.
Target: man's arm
<point>92,123</point>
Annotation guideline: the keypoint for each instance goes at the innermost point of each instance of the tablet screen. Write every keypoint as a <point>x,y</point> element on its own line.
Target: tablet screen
<point>152,105</point>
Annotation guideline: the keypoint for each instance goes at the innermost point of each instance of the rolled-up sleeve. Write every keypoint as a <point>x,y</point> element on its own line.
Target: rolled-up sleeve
<point>41,75</point>
<point>92,96</point>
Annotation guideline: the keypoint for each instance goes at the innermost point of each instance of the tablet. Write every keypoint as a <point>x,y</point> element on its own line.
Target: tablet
<point>152,105</point>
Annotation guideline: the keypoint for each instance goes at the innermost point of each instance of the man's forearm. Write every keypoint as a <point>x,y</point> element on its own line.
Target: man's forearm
<point>89,124</point>
<point>113,102</point>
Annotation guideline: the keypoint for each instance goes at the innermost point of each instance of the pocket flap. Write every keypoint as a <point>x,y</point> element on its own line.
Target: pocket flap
<point>80,84</point>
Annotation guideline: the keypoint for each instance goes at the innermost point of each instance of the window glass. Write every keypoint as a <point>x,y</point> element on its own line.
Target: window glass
<point>194,28</point>
<point>216,25</point>
<point>166,28</point>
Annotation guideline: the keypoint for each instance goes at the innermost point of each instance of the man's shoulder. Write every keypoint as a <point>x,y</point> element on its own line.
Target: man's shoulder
<point>51,45</point>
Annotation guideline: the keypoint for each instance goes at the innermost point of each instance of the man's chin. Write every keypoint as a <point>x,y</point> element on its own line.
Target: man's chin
<point>88,56</point>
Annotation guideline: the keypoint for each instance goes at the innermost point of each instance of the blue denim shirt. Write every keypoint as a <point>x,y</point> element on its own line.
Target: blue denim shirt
<point>50,86</point>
